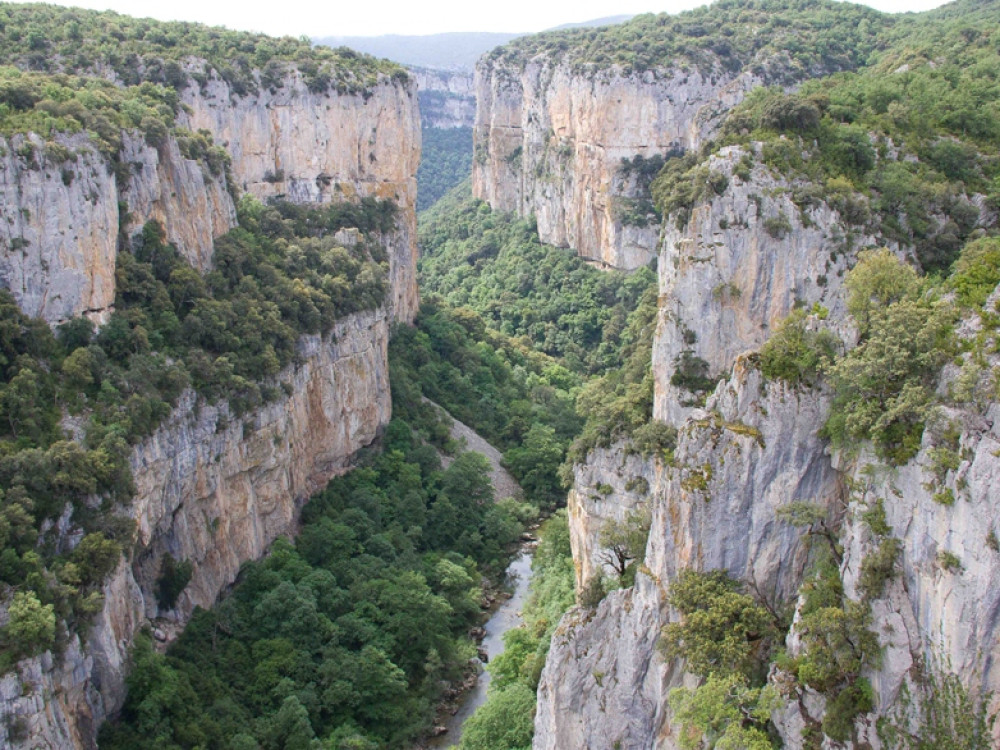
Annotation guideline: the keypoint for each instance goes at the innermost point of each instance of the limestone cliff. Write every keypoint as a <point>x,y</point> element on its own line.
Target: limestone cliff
<point>316,147</point>
<point>751,450</point>
<point>751,446</point>
<point>612,483</point>
<point>64,217</point>
<point>212,487</point>
<point>447,98</point>
<point>58,237</point>
<point>550,140</point>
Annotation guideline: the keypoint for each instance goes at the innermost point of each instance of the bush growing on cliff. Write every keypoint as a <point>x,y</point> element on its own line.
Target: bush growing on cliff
<point>796,354</point>
<point>885,385</point>
<point>722,631</point>
<point>808,40</point>
<point>724,712</point>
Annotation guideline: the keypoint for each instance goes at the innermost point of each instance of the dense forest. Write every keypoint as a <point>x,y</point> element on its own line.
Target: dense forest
<point>52,39</point>
<point>445,160</point>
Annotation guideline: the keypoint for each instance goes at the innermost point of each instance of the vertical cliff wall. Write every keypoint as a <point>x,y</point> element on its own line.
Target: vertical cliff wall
<point>58,236</point>
<point>313,147</point>
<point>212,487</point>
<point>63,216</point>
<point>447,98</point>
<point>550,140</point>
<point>734,269</point>
<point>752,449</point>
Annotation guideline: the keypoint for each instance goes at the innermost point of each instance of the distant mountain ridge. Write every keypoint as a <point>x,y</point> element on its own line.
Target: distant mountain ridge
<point>456,51</point>
<point>453,51</point>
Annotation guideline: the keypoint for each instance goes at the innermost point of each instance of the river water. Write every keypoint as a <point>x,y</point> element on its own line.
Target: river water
<point>506,616</point>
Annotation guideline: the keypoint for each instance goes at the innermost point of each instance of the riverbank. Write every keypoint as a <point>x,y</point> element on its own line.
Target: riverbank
<point>505,615</point>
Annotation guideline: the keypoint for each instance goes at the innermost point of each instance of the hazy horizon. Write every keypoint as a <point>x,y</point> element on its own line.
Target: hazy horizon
<point>299,18</point>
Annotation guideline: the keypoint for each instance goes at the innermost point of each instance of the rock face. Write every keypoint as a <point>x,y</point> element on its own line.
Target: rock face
<point>213,488</point>
<point>191,204</point>
<point>447,98</point>
<point>549,142</point>
<point>317,147</point>
<point>611,484</point>
<point>726,277</point>
<point>60,235</point>
<point>750,451</point>
<point>59,243</point>
<point>736,269</point>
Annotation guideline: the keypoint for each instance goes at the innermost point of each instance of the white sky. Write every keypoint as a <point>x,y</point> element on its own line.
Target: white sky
<point>375,17</point>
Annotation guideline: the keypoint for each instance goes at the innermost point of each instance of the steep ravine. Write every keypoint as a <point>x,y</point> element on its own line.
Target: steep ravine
<point>211,487</point>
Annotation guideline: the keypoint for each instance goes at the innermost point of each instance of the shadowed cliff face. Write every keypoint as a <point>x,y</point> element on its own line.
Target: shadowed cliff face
<point>550,143</point>
<point>212,487</point>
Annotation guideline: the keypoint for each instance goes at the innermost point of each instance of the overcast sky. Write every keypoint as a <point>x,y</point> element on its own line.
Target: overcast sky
<point>374,17</point>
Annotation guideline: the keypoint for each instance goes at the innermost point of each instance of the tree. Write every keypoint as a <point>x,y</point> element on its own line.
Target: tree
<point>290,729</point>
<point>32,625</point>
<point>878,280</point>
<point>623,543</point>
<point>724,713</point>
<point>720,627</point>
<point>795,353</point>
<point>536,462</point>
<point>505,722</point>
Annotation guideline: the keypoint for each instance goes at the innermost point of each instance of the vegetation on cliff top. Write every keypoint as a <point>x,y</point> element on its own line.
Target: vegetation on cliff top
<point>901,148</point>
<point>779,40</point>
<point>54,39</point>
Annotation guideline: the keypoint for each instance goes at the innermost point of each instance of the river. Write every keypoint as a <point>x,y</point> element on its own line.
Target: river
<point>506,616</point>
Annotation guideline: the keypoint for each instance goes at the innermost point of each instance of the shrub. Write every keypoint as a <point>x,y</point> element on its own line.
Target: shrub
<point>777,227</point>
<point>173,579</point>
<point>31,627</point>
<point>506,721</point>
<point>721,629</point>
<point>885,386</point>
<point>795,353</point>
<point>691,373</point>
<point>878,567</point>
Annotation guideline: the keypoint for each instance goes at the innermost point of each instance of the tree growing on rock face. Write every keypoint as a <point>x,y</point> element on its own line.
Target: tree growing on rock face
<point>32,625</point>
<point>623,543</point>
<point>721,630</point>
